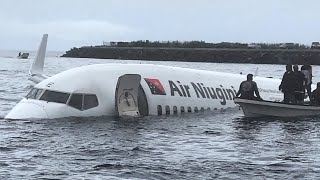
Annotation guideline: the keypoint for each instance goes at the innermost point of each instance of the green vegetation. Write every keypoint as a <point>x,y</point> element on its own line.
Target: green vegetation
<point>200,51</point>
<point>203,44</point>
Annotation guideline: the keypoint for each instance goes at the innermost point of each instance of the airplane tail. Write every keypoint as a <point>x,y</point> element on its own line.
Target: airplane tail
<point>36,69</point>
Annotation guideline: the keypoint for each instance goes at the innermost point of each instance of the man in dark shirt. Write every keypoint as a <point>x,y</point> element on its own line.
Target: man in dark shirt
<point>287,85</point>
<point>248,88</point>
<point>315,96</point>
<point>299,88</point>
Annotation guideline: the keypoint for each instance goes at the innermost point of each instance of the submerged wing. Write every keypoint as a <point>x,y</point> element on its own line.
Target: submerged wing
<point>36,69</point>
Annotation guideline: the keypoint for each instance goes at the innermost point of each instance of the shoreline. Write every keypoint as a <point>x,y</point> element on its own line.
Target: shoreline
<point>214,55</point>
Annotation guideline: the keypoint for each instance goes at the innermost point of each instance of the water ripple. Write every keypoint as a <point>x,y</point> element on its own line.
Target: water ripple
<point>210,145</point>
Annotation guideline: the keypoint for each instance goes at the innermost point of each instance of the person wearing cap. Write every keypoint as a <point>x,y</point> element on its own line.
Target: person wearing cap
<point>287,85</point>
<point>248,88</point>
<point>315,96</point>
<point>299,88</point>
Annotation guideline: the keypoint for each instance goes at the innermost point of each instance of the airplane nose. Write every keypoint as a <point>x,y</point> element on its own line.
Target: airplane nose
<point>27,110</point>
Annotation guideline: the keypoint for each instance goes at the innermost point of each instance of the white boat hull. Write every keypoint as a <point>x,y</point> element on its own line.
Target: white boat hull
<point>252,108</point>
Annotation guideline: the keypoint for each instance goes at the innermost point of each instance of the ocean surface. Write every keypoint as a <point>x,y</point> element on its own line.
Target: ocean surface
<point>210,145</point>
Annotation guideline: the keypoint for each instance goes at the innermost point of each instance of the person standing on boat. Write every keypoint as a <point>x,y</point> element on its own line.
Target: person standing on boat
<point>287,85</point>
<point>306,69</point>
<point>315,96</point>
<point>299,87</point>
<point>248,88</point>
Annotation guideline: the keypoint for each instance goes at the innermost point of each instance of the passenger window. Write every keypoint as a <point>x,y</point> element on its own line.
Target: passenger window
<point>175,110</point>
<point>159,110</point>
<point>52,96</point>
<point>182,109</point>
<point>90,101</point>
<point>167,110</point>
<point>76,101</point>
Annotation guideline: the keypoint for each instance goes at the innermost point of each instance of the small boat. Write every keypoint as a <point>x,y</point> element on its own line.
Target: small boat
<point>255,108</point>
<point>23,55</point>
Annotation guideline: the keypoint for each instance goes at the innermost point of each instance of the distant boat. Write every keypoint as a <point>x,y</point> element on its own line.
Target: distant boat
<point>23,55</point>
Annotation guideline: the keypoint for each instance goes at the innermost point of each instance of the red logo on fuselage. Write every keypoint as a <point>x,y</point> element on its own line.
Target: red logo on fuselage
<point>155,86</point>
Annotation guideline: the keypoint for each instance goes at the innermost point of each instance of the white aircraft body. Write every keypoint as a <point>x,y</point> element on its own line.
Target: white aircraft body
<point>130,90</point>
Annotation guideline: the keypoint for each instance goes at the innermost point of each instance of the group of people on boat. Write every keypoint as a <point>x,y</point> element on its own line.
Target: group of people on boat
<point>293,85</point>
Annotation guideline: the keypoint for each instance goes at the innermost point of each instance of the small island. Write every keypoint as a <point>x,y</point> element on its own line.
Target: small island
<point>200,51</point>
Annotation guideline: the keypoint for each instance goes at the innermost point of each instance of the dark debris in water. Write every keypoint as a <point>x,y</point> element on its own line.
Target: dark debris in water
<point>212,132</point>
<point>6,149</point>
<point>3,164</point>
<point>136,148</point>
<point>108,166</point>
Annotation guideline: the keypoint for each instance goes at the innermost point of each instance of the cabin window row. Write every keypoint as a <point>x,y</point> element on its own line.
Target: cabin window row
<point>77,101</point>
<point>167,110</point>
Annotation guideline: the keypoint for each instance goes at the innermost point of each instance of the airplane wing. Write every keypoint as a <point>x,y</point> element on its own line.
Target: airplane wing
<point>36,69</point>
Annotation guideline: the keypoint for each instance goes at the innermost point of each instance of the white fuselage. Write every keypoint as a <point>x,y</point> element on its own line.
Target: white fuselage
<point>183,89</point>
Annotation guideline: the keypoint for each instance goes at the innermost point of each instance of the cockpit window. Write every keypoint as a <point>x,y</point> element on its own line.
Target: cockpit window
<point>53,96</point>
<point>90,101</point>
<point>83,101</point>
<point>76,101</point>
<point>34,93</point>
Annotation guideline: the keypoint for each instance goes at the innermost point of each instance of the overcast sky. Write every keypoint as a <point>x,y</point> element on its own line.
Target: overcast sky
<point>76,23</point>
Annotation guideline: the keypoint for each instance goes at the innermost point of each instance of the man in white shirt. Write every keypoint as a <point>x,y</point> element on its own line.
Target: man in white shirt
<point>306,69</point>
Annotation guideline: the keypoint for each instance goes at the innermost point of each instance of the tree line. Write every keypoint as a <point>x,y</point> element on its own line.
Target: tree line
<point>203,44</point>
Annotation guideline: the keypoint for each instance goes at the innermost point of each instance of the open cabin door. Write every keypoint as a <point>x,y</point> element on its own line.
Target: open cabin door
<point>127,95</point>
